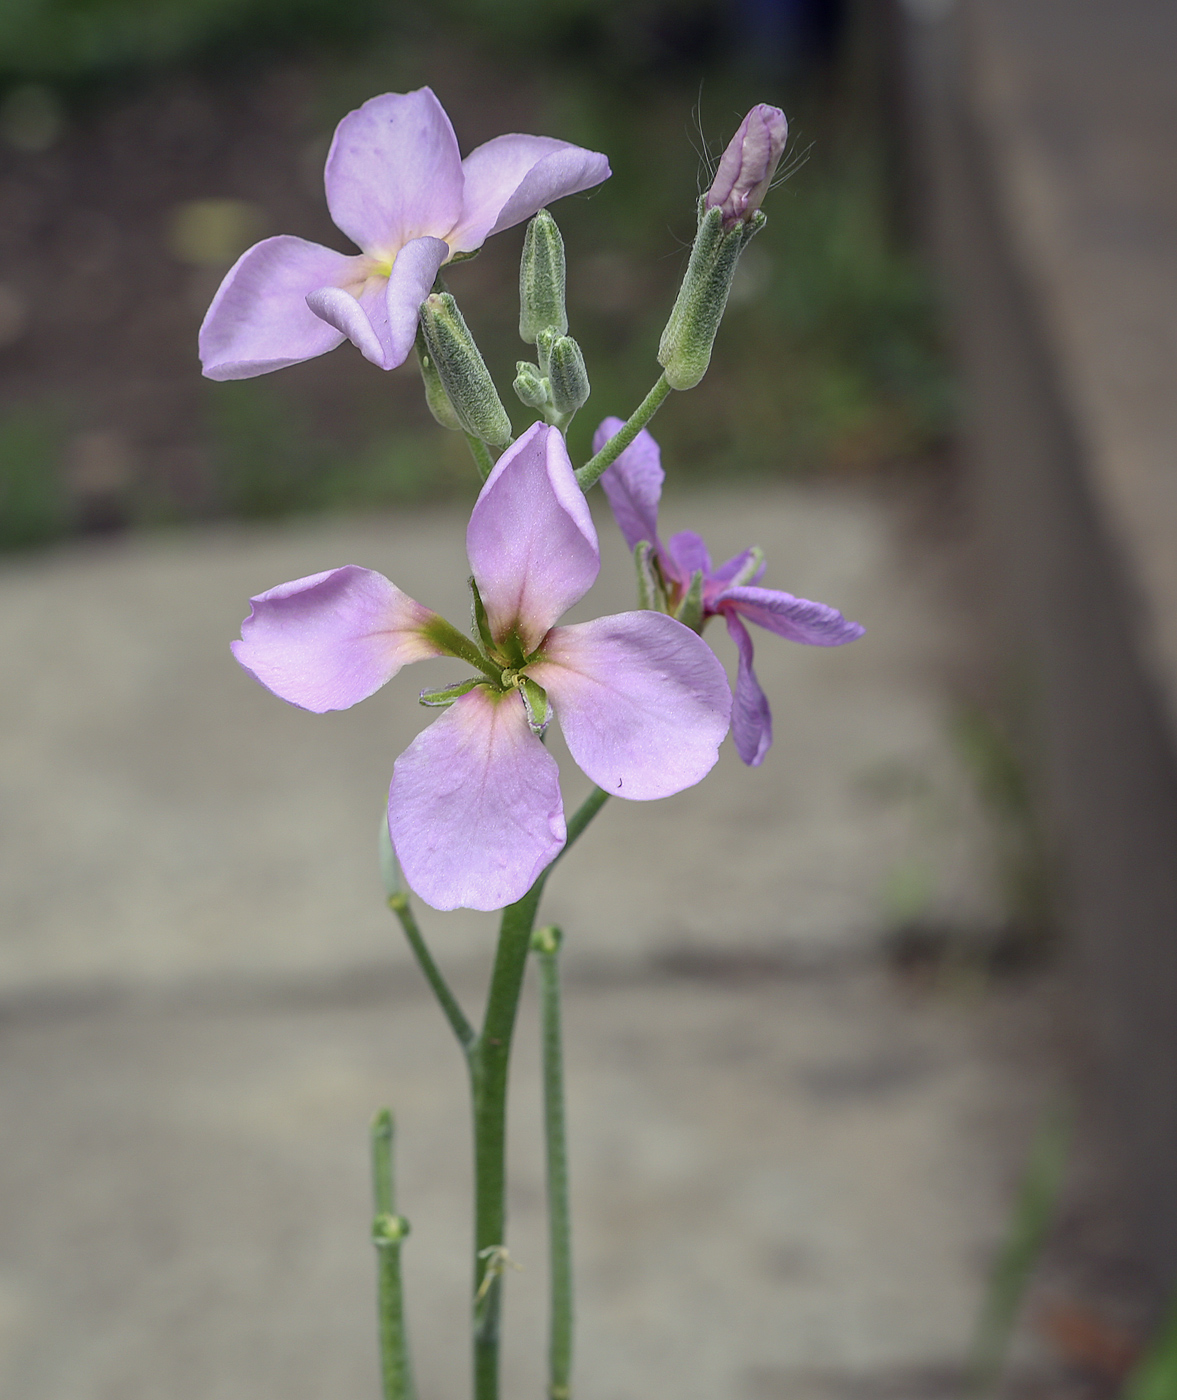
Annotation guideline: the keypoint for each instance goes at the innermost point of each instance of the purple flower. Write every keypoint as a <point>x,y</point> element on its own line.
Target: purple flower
<point>398,188</point>
<point>633,485</point>
<point>747,166</point>
<point>474,809</point>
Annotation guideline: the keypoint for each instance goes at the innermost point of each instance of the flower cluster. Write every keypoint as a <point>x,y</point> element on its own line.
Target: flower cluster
<point>474,809</point>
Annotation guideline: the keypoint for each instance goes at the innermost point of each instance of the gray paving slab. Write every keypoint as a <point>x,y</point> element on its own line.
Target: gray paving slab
<point>788,1172</point>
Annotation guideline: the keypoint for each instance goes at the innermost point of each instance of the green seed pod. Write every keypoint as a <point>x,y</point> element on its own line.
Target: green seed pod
<point>568,377</point>
<point>685,349</point>
<point>541,279</point>
<point>463,371</point>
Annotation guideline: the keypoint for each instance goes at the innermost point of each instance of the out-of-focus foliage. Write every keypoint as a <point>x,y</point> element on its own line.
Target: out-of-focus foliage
<point>33,506</point>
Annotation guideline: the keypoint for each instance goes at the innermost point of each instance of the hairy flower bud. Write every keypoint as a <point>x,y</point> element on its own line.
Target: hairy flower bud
<point>530,386</point>
<point>747,166</point>
<point>567,377</point>
<point>436,398</point>
<point>463,371</point>
<point>684,351</point>
<point>541,279</point>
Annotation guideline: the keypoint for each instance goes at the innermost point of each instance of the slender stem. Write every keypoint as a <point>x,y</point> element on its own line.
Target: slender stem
<point>388,1233</point>
<point>592,469</point>
<point>481,454</point>
<point>488,1058</point>
<point>545,943</point>
<point>399,904</point>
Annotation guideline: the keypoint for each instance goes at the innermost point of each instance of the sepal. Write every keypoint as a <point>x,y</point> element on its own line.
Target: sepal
<point>535,702</point>
<point>651,595</point>
<point>567,377</point>
<point>463,371</point>
<point>446,695</point>
<point>436,398</point>
<point>690,611</point>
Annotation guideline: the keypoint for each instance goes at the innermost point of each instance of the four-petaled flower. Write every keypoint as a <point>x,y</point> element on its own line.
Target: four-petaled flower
<point>474,809</point>
<point>397,186</point>
<point>633,485</point>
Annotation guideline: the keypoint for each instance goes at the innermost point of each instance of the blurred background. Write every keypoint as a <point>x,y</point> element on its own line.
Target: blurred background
<point>826,1018</point>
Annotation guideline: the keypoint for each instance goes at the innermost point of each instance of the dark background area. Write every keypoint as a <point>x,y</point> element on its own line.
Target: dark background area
<point>144,145</point>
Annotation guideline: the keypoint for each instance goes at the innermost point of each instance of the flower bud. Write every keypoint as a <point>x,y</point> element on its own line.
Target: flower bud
<point>684,351</point>
<point>436,398</point>
<point>747,166</point>
<point>530,385</point>
<point>541,279</point>
<point>567,377</point>
<point>463,371</point>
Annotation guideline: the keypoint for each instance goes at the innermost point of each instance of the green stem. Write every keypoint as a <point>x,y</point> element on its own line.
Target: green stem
<point>481,454</point>
<point>588,474</point>
<point>488,1058</point>
<point>399,904</point>
<point>545,943</point>
<point>388,1233</point>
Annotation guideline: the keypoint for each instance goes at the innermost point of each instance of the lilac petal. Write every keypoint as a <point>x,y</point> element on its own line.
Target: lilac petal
<point>642,701</point>
<point>363,320</point>
<point>795,618</point>
<point>512,177</point>
<point>531,541</point>
<point>394,172</point>
<point>410,282</point>
<point>633,484</point>
<point>330,640</point>
<point>474,809</point>
<point>751,717</point>
<point>688,553</point>
<point>259,321</point>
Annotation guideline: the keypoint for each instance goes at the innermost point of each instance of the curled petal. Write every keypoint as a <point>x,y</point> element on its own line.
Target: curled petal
<point>361,319</point>
<point>796,618</point>
<point>687,554</point>
<point>633,484</point>
<point>409,283</point>
<point>474,809</point>
<point>725,572</point>
<point>642,701</point>
<point>259,320</point>
<point>511,178</point>
<point>394,172</point>
<point>330,640</point>
<point>531,540</point>
<point>751,717</point>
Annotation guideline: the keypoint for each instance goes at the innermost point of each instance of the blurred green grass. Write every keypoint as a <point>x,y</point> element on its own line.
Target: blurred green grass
<point>830,358</point>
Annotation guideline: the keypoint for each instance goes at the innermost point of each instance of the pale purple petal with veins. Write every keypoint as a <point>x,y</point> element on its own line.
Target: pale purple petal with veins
<point>531,541</point>
<point>748,164</point>
<point>512,177</point>
<point>642,701</point>
<point>474,809</point>
<point>394,172</point>
<point>751,717</point>
<point>363,319</point>
<point>633,484</point>
<point>688,553</point>
<point>330,640</point>
<point>259,320</point>
<point>796,618</point>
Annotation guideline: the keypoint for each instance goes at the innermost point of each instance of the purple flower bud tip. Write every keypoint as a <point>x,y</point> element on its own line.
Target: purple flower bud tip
<point>747,166</point>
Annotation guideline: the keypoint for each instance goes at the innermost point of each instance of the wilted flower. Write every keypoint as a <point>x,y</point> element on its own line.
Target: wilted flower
<point>633,485</point>
<point>474,809</point>
<point>747,166</point>
<point>398,188</point>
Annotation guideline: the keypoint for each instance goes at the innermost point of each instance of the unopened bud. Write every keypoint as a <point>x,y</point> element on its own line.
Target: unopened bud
<point>747,166</point>
<point>541,279</point>
<point>567,376</point>
<point>436,397</point>
<point>530,385</point>
<point>685,349</point>
<point>463,371</point>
